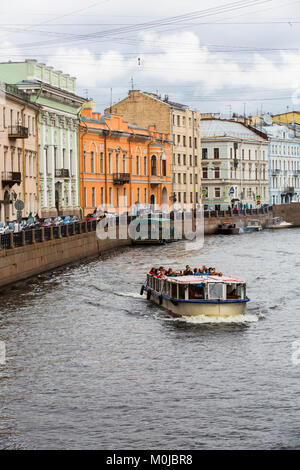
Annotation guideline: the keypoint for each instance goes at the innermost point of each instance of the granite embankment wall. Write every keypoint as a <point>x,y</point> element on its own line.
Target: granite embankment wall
<point>240,220</point>
<point>289,212</point>
<point>30,260</point>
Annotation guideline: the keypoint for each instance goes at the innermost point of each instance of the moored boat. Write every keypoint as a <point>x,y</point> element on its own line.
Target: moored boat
<point>227,229</point>
<point>253,225</point>
<point>209,295</point>
<point>279,223</point>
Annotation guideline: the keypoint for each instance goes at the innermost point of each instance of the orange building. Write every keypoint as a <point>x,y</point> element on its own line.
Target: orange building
<point>122,165</point>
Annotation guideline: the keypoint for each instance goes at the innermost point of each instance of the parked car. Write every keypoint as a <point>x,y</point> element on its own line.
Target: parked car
<point>58,221</point>
<point>91,217</point>
<point>47,223</point>
<point>3,228</point>
<point>67,220</point>
<point>74,218</point>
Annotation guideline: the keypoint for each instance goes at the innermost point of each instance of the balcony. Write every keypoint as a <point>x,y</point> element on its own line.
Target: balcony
<point>18,132</point>
<point>9,178</point>
<point>289,190</point>
<point>62,173</point>
<point>121,178</point>
<point>276,172</point>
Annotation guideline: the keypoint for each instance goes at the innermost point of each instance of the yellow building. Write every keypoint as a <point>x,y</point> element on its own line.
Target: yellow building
<point>292,117</point>
<point>146,109</point>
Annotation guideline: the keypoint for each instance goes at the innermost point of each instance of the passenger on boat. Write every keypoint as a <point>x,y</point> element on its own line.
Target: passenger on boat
<point>188,271</point>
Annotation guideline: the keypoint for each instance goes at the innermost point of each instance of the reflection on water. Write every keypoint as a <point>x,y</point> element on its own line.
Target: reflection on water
<point>92,364</point>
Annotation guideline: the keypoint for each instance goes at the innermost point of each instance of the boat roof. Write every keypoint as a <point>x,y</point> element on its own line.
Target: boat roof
<point>204,278</point>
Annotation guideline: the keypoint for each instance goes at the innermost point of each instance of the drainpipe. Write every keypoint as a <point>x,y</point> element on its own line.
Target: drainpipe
<point>108,134</point>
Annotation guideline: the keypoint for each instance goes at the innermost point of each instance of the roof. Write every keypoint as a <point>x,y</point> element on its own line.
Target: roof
<point>199,279</point>
<point>229,129</point>
<point>166,101</point>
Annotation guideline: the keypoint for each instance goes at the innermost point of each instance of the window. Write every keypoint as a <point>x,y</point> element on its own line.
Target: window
<point>178,158</point>
<point>190,142</point>
<point>191,179</point>
<point>92,162</point>
<point>145,195</point>
<point>184,178</point>
<point>164,167</point>
<point>118,197</point>
<point>216,153</point>
<point>102,196</point>
<point>179,178</point>
<point>145,166</point>
<point>85,205</point>
<point>138,195</point>
<point>195,142</point>
<point>217,173</point>
<point>93,197</point>
<point>137,165</point>
<point>117,163</point>
<point>178,120</point>
<point>153,166</point>
<point>178,139</point>
<point>204,173</point>
<point>101,162</point>
<point>71,162</point>
<point>110,196</point>
<point>217,192</point>
<point>110,163</point>
<point>184,141</point>
<point>184,159</point>
<point>205,154</point>
<point>191,197</point>
<point>184,198</point>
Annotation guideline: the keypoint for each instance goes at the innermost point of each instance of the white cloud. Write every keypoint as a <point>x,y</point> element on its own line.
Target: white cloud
<point>178,59</point>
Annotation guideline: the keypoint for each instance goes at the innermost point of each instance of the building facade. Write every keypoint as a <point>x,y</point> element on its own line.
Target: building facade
<point>122,166</point>
<point>146,109</point>
<point>234,165</point>
<point>284,164</point>
<point>18,153</point>
<point>55,93</point>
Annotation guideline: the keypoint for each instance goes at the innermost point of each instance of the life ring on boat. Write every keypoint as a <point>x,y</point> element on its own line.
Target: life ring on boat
<point>148,294</point>
<point>142,290</point>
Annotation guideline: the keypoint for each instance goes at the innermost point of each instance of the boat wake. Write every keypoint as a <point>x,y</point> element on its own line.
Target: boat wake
<point>203,319</point>
<point>133,295</point>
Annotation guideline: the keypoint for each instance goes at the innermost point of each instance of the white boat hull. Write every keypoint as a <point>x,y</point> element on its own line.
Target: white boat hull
<point>186,309</point>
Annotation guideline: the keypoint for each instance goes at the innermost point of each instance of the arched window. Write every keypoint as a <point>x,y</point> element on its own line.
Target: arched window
<point>153,166</point>
<point>137,165</point>
<point>163,168</point>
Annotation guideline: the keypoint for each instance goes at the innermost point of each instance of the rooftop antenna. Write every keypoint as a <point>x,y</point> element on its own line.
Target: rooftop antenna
<point>110,100</point>
<point>132,84</point>
<point>86,92</point>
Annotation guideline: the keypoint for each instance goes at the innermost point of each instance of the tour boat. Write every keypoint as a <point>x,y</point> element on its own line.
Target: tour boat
<point>214,296</point>
<point>253,225</point>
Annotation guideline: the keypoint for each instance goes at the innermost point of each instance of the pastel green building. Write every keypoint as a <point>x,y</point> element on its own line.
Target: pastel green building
<point>55,92</point>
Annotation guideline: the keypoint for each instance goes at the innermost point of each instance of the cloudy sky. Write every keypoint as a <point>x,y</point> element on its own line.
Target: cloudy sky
<point>220,56</point>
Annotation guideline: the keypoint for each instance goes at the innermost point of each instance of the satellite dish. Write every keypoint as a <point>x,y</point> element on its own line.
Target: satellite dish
<point>268,119</point>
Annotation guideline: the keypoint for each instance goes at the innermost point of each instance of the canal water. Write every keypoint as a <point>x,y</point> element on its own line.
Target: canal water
<point>92,365</point>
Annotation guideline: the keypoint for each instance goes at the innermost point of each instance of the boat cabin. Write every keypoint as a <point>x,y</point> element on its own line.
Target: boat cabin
<point>197,288</point>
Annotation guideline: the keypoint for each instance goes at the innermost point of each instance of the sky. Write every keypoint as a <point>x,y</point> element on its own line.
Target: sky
<point>218,56</point>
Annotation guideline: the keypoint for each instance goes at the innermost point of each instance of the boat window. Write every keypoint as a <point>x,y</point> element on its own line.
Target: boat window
<point>174,291</point>
<point>196,292</point>
<point>215,291</point>
<point>166,288</point>
<point>181,291</point>
<point>235,291</point>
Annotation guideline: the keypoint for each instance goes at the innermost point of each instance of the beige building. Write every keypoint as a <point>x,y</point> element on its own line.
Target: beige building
<point>234,165</point>
<point>18,153</point>
<point>144,109</point>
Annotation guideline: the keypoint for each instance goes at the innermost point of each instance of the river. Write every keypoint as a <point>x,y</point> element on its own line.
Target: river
<point>92,365</point>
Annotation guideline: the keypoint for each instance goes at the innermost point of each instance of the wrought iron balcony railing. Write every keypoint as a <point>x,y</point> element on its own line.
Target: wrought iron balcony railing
<point>9,178</point>
<point>62,173</point>
<point>17,132</point>
<point>121,178</point>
